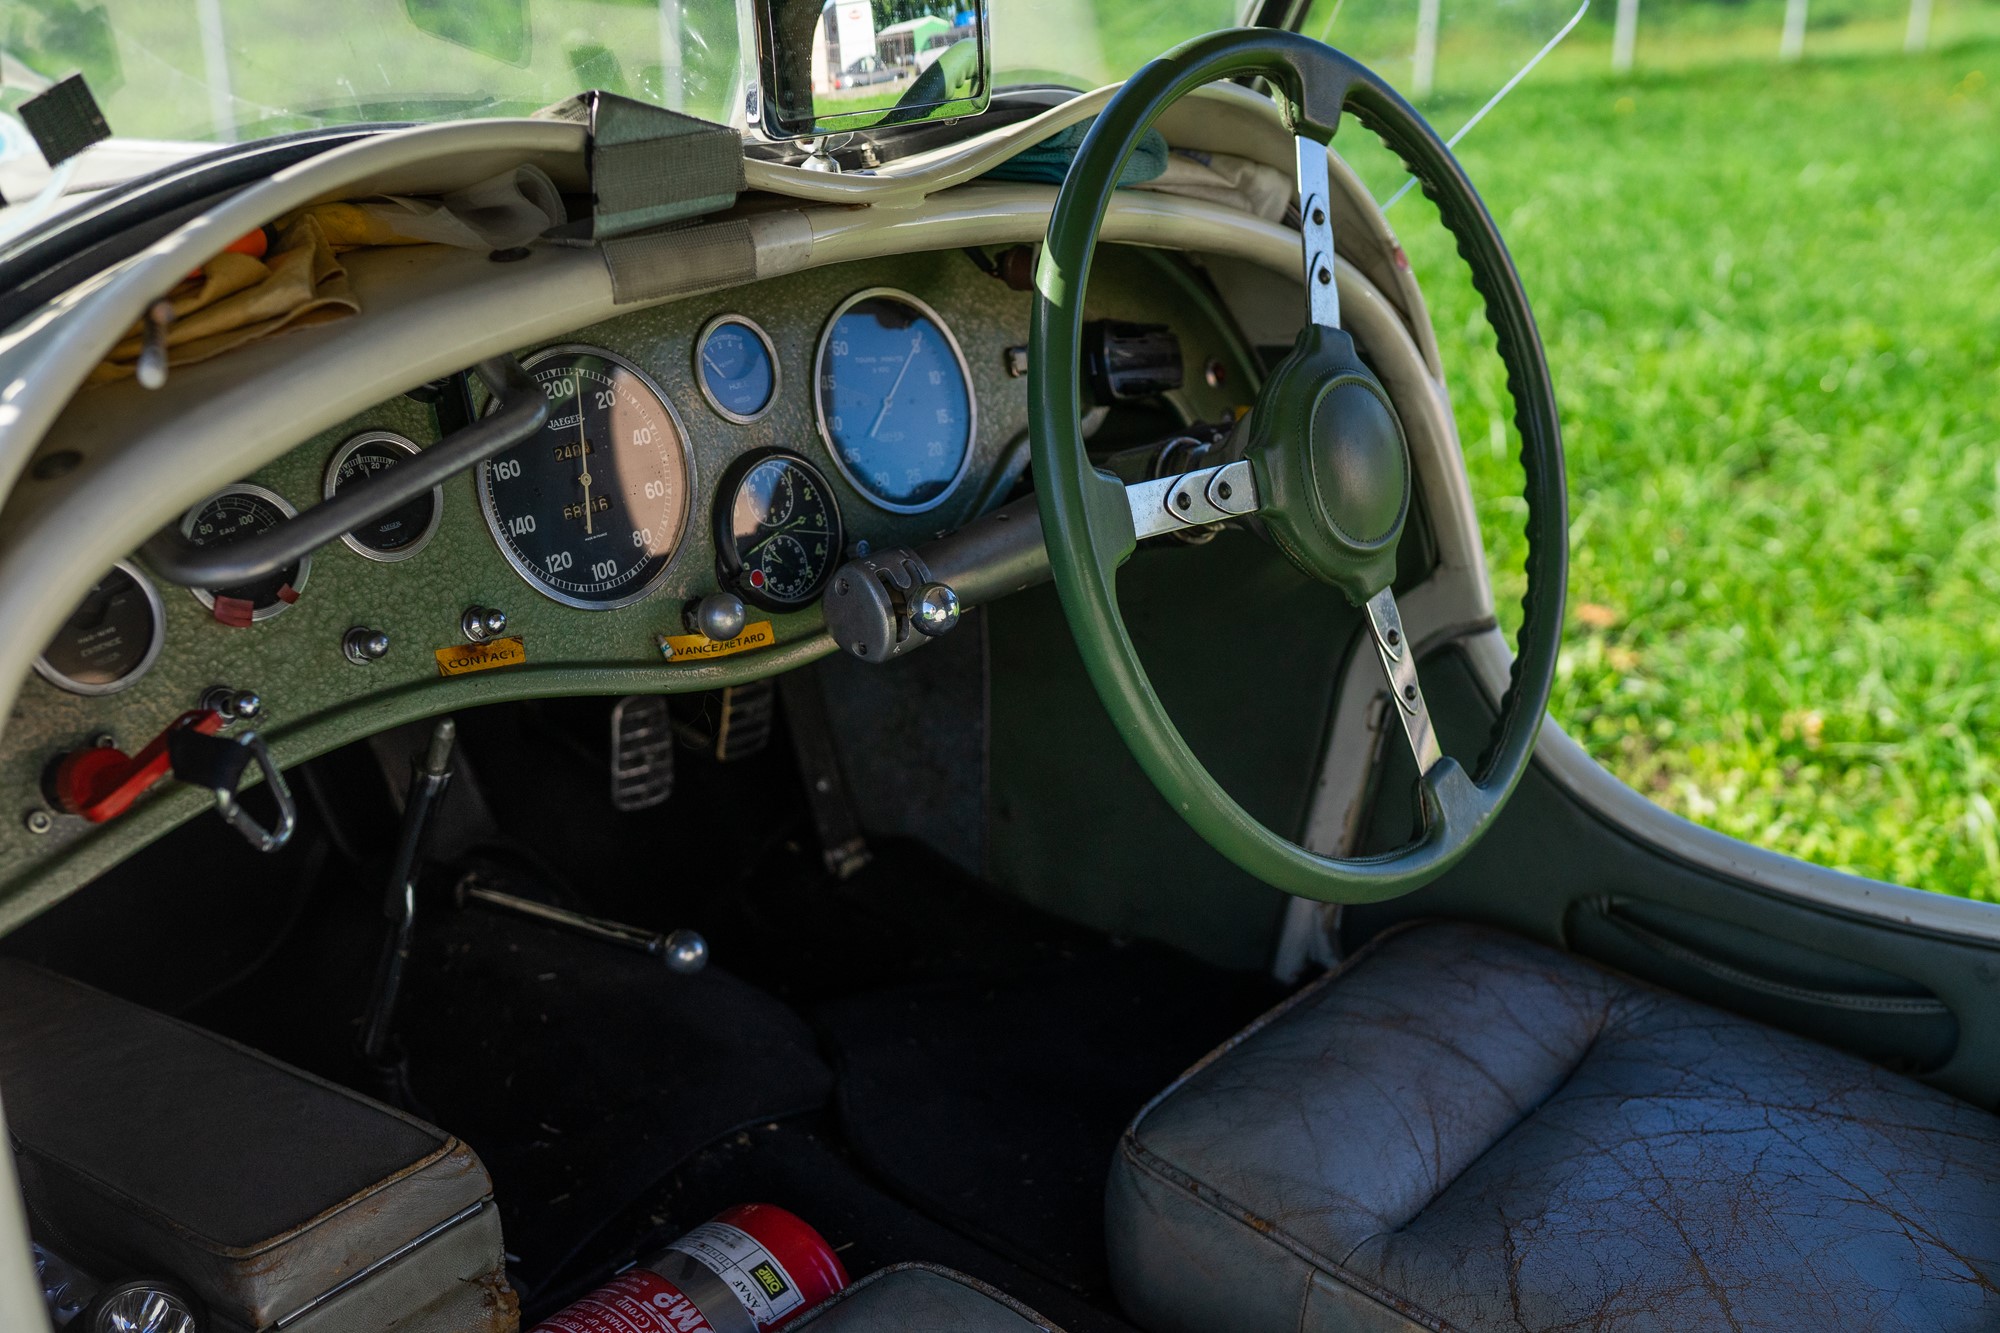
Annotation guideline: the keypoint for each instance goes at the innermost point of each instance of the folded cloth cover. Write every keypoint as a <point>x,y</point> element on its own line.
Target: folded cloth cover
<point>1047,162</point>
<point>235,299</point>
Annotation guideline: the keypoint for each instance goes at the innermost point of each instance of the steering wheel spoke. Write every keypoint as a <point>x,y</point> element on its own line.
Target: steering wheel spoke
<point>1191,499</point>
<point>1399,664</point>
<point>1316,233</point>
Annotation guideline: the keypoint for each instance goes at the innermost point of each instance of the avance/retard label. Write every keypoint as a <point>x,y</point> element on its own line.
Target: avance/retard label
<point>699,647</point>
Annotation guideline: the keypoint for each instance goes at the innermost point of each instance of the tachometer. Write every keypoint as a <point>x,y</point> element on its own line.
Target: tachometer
<point>895,401</point>
<point>777,529</point>
<point>591,510</point>
<point>232,514</point>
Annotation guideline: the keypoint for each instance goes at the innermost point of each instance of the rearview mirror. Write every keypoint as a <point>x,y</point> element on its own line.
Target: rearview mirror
<point>832,66</point>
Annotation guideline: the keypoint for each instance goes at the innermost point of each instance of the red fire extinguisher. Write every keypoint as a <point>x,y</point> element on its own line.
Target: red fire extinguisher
<point>752,1268</point>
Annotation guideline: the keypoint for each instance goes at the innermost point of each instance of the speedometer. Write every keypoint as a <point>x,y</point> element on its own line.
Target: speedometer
<point>591,509</point>
<point>895,402</point>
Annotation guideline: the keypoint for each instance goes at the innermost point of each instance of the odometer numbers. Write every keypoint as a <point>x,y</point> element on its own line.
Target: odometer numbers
<point>777,529</point>
<point>591,510</point>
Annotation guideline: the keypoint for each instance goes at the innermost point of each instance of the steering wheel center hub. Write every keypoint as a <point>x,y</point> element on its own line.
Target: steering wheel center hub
<point>1332,464</point>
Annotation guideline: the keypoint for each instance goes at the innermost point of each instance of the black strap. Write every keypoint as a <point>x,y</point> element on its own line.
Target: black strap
<point>207,761</point>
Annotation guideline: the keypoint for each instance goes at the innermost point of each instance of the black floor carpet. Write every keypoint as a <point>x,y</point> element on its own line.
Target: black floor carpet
<point>583,1073</point>
<point>801,1165</point>
<point>994,1104</point>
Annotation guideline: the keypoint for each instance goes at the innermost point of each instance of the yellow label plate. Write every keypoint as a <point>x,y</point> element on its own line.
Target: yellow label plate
<point>465,658</point>
<point>699,647</point>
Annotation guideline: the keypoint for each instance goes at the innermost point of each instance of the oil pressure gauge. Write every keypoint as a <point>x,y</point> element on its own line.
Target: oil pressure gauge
<point>777,529</point>
<point>233,514</point>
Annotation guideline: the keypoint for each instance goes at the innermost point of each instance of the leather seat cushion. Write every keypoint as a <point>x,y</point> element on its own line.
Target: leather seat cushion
<point>921,1298</point>
<point>1463,1129</point>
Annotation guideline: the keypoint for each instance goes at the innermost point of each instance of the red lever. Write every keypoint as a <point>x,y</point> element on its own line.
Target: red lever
<point>101,783</point>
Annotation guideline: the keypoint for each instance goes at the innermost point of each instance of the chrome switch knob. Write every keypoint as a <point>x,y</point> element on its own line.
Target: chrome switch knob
<point>933,609</point>
<point>719,615</point>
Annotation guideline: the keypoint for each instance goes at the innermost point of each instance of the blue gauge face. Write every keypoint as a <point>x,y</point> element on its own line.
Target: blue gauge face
<point>738,372</point>
<point>894,401</point>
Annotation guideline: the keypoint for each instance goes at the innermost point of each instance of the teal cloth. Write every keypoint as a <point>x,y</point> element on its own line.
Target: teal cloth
<point>1048,161</point>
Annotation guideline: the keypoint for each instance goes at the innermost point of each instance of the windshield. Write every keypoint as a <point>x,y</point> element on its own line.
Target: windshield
<point>232,70</point>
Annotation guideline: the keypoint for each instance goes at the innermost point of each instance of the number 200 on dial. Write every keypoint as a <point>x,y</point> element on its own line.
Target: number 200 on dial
<point>592,508</point>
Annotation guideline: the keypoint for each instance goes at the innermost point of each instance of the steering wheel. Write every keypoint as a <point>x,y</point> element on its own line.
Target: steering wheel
<point>1326,468</point>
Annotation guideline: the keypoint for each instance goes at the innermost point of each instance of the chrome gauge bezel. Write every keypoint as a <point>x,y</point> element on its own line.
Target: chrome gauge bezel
<point>207,598</point>
<point>729,563</point>
<point>651,585</point>
<point>770,350</point>
<point>964,369</point>
<point>157,606</point>
<point>331,482</point>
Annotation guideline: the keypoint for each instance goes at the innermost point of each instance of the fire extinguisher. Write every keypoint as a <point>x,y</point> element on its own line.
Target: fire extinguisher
<point>750,1269</point>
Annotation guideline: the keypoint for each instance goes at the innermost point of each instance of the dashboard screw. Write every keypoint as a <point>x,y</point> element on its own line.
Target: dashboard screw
<point>104,740</point>
<point>38,821</point>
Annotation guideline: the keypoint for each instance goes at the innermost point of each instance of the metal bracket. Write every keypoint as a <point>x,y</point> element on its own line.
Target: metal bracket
<point>1192,499</point>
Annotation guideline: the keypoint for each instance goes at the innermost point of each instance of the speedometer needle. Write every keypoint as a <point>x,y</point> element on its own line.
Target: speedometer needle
<point>583,461</point>
<point>881,416</point>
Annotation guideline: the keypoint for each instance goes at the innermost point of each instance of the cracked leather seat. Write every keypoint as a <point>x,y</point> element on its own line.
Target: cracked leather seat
<point>1464,1130</point>
<point>923,1298</point>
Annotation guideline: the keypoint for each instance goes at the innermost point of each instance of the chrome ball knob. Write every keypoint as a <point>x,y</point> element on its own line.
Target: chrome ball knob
<point>719,615</point>
<point>686,952</point>
<point>933,609</point>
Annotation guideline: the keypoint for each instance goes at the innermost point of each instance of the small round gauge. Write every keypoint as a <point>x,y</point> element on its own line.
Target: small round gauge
<point>777,529</point>
<point>403,531</point>
<point>231,514</point>
<point>894,400</point>
<point>736,367</point>
<point>591,509</point>
<point>112,637</point>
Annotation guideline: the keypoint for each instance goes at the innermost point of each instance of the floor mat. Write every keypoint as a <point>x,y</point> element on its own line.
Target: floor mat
<point>800,1165</point>
<point>582,1073</point>
<point>995,1103</point>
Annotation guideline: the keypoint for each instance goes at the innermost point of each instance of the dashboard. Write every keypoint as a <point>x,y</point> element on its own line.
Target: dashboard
<point>747,442</point>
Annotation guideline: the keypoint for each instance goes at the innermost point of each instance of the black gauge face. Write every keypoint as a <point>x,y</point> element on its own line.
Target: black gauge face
<point>894,400</point>
<point>402,532</point>
<point>591,509</point>
<point>231,515</point>
<point>777,529</point>
<point>111,638</point>
<point>736,367</point>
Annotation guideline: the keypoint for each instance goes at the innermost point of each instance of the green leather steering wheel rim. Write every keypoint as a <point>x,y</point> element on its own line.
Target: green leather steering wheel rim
<point>1087,524</point>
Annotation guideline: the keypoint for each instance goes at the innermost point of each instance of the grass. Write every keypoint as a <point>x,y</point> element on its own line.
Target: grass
<point>1771,298</point>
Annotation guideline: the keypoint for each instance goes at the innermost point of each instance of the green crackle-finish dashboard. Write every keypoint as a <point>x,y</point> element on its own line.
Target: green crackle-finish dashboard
<point>315,699</point>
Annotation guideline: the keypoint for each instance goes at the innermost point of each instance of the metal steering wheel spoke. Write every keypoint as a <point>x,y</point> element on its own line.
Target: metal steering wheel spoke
<point>1192,499</point>
<point>1316,233</point>
<point>1399,664</point>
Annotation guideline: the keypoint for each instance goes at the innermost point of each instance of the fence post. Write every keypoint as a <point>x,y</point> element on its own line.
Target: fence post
<point>1793,44</point>
<point>1918,35</point>
<point>1626,35</point>
<point>1423,72</point>
<point>215,69</point>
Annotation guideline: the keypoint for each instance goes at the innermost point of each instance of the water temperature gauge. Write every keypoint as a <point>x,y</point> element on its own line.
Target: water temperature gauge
<point>777,529</point>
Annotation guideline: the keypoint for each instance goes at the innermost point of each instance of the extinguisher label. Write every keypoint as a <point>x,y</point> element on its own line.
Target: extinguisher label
<point>638,1301</point>
<point>746,1267</point>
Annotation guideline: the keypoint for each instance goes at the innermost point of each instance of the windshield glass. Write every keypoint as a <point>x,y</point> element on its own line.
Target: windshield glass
<point>231,70</point>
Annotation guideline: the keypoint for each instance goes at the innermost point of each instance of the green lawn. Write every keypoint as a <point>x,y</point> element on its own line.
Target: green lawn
<point>1771,298</point>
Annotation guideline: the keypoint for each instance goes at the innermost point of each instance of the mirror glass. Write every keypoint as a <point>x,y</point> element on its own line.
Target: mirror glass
<point>832,66</point>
